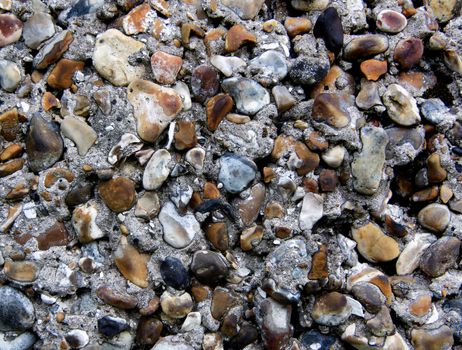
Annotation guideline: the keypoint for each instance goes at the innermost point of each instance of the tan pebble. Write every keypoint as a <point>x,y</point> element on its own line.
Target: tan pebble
<point>11,152</point>
<point>297,25</point>
<point>49,101</point>
<point>373,69</point>
<point>238,36</point>
<point>251,237</point>
<point>445,193</point>
<point>131,264</point>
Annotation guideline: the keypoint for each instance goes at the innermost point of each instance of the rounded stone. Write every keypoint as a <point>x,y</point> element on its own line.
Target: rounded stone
<point>77,338</point>
<point>250,97</point>
<point>236,172</point>
<point>148,331</point>
<point>209,267</point>
<point>176,306</point>
<point>205,82</point>
<point>10,29</point>
<point>435,217</point>
<point>329,27</point>
<point>110,326</point>
<point>331,309</point>
<point>365,46</point>
<point>119,194</point>
<point>369,296</point>
<point>440,256</point>
<point>408,52</point>
<point>38,28</point>
<point>174,273</point>
<point>390,21</point>
<point>309,70</point>
<point>10,75</point>
<point>17,312</point>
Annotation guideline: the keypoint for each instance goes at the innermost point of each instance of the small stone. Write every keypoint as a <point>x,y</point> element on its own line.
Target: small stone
<point>238,36</point>
<point>297,25</point>
<point>369,295</point>
<point>10,75</point>
<point>165,67</point>
<point>154,107</point>
<point>435,172</point>
<point>334,156</point>
<point>11,167</point>
<point>331,309</point>
<point>187,29</point>
<point>319,264</point>
<point>179,231</point>
<point>435,217</point>
<point>196,157</point>
<point>10,152</point>
<point>329,27</point>
<point>426,195</point>
<point>54,236</point>
<point>446,193</point>
<point>157,170</point>
<point>44,145</point>
<point>121,301</point>
<point>131,264</point>
<point>110,326</point>
<point>328,180</point>
<point>311,212</point>
<point>440,256</point>
<point>80,133</point>
<point>49,101</point>
<point>373,69</point>
<point>249,208</point>
<point>227,65</point>
<point>364,46</point>
<point>408,52</point>
<point>10,29</point>
<point>61,75</point>
<point>270,67</point>
<point>250,97</point>
<point>17,311</point>
<point>102,99</point>
<point>314,339</point>
<point>368,97</point>
<point>77,338</point>
<point>236,172</point>
<point>84,223</point>
<point>176,306</point>
<point>53,49</point>
<point>443,10</point>
<point>217,234</point>
<point>118,194</point>
<point>309,70</point>
<point>209,267</point>
<point>243,8</point>
<point>332,109</point>
<point>453,61</point>
<point>439,338</point>
<point>421,305</point>
<point>382,324</point>
<point>283,98</point>
<point>390,21</point>
<point>6,4</point>
<point>113,49</point>
<point>79,193</point>
<point>183,91</point>
<point>435,111</point>
<point>374,245</point>
<point>275,325</point>
<point>309,5</point>
<point>147,206</point>
<point>174,273</point>
<point>205,82</point>
<point>217,108</point>
<point>185,136</point>
<point>38,28</point>
<point>238,118</point>
<point>148,331</point>
<point>251,237</point>
<point>138,20</point>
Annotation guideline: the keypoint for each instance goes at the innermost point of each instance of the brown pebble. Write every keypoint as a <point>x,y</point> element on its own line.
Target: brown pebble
<point>151,308</point>
<point>119,194</point>
<point>185,136</point>
<point>319,268</point>
<point>421,306</point>
<point>53,50</point>
<point>131,263</point>
<point>274,210</point>
<point>373,69</point>
<point>432,339</point>
<point>332,109</point>
<point>222,301</point>
<point>10,29</point>
<point>297,25</point>
<point>268,174</point>
<point>328,180</point>
<point>21,271</point>
<point>408,52</point>
<point>365,46</point>
<point>187,29</point>
<point>61,75</point>
<point>211,191</point>
<point>54,236</point>
<point>11,152</point>
<point>205,82</point>
<point>50,101</point>
<point>55,174</point>
<point>251,237</point>
<point>165,67</point>
<point>426,195</point>
<point>121,301</point>
<point>436,173</point>
<point>11,167</point>
<point>9,124</point>
<point>217,234</point>
<point>60,316</point>
<point>217,108</point>
<point>316,142</point>
<point>238,36</point>
<point>148,331</point>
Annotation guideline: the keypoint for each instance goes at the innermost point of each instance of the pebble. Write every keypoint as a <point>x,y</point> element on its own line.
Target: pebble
<point>373,69</point>
<point>84,223</point>
<point>435,217</point>
<point>435,111</point>
<point>331,309</point>
<point>297,25</point>
<point>77,338</point>
<point>440,256</point>
<point>369,296</point>
<point>334,156</point>
<point>44,145</point>
<point>10,29</point>
<point>329,27</point>
<point>154,107</point>
<point>165,67</point>
<point>238,36</point>
<point>236,172</point>
<point>196,158</point>
<point>10,75</point>
<point>21,271</point>
<point>435,172</point>
<point>183,91</point>
<point>138,20</point>
<point>217,108</point>
<point>365,46</point>
<point>316,340</point>
<point>167,344</point>
<point>367,165</point>
<point>368,97</point>
<point>53,49</point>
<point>113,49</point>
<point>17,312</point>
<point>227,65</point>
<point>409,258</point>
<point>275,324</point>
<point>249,96</point>
<point>382,323</point>
<point>244,9</point>
<point>157,170</point>
<point>283,98</point>
<point>176,306</point>
<point>148,331</point>
<point>309,70</point>
<point>80,133</point>
<point>332,109</point>
<point>131,263</point>
<point>118,300</point>
<point>119,194</point>
<point>179,230</point>
<point>270,66</point>
<point>61,75</point>
<point>401,106</point>
<point>249,208</point>
<point>110,326</point>
<point>23,341</point>
<point>38,28</point>
<point>174,273</point>
<point>439,338</point>
<point>205,82</point>
<point>209,267</point>
<point>251,237</point>
<point>147,206</point>
<point>188,29</point>
<point>374,245</point>
<point>408,52</point>
<point>311,212</point>
<point>390,21</point>
<point>442,10</point>
<point>54,236</point>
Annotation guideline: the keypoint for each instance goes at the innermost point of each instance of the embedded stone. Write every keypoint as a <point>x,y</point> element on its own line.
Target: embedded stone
<point>309,70</point>
<point>373,69</point>
<point>439,338</point>
<point>174,273</point>
<point>275,324</point>
<point>311,212</point>
<point>38,28</point>
<point>369,296</point>
<point>435,217</point>
<point>334,156</point>
<point>236,172</point>
<point>54,236</point>
<point>147,206</point>
<point>165,67</point>
<point>10,75</point>
<point>390,21</point>
<point>131,263</point>
<point>249,208</point>
<point>283,98</point>
<point>179,230</point>
<point>440,256</point>
<point>10,29</point>
<point>53,49</point>
<point>217,108</point>
<point>250,97</point>
<point>187,29</point>
<point>21,271</point>
<point>61,75</point>
<point>118,194</point>
<point>435,172</point>
<point>121,301</point>
<point>408,52</point>
<point>319,264</point>
<point>227,65</point>
<point>332,109</point>
<point>270,67</point>
<point>331,309</point>
<point>209,267</point>
<point>110,326</point>
<point>443,10</point>
<point>217,234</point>
<point>11,167</point>
<point>251,237</point>
<point>154,107</point>
<point>176,306</point>
<point>138,20</point>
<point>365,46</point>
<point>185,136</point>
<point>244,9</point>
<point>329,27</point>
<point>157,170</point>
<point>196,157</point>
<point>238,36</point>
<point>80,133</point>
<point>409,258</point>
<point>84,223</point>
<point>297,25</point>
<point>148,331</point>
<point>205,82</point>
<point>77,338</point>
<point>16,310</point>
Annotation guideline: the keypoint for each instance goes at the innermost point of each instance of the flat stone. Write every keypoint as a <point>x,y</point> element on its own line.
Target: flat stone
<point>118,300</point>
<point>80,133</point>
<point>401,106</point>
<point>227,65</point>
<point>53,49</point>
<point>331,309</point>
<point>38,28</point>
<point>10,29</point>
<point>237,37</point>
<point>217,108</point>
<point>408,52</point>
<point>311,212</point>
<point>179,231</point>
<point>249,208</point>
<point>209,267</point>
<point>334,156</point>
<point>154,107</point>
<point>439,338</point>
<point>440,256</point>
<point>205,82</point>
<point>138,20</point>
<point>332,109</point>
<point>147,206</point>
<point>112,49</point>
<point>148,331</point>
<point>275,324</point>
<point>61,75</point>
<point>119,194</point>
<point>54,236</point>
<point>16,310</point>
<point>435,217</point>
<point>249,96</point>
<point>283,98</point>
<point>84,223</point>
<point>367,166</point>
<point>329,27</point>
<point>10,75</point>
<point>409,258</point>
<point>297,25</point>
<point>443,10</point>
<point>131,263</point>
<point>390,21</point>
<point>21,271</point>
<point>174,273</point>
<point>309,70</point>
<point>365,46</point>
<point>236,172</point>
<point>110,326</point>
<point>157,170</point>
<point>165,67</point>
<point>270,67</point>
<point>369,295</point>
<point>176,306</point>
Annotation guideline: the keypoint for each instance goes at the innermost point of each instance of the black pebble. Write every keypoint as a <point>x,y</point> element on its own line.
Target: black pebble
<point>174,273</point>
<point>111,326</point>
<point>329,28</point>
